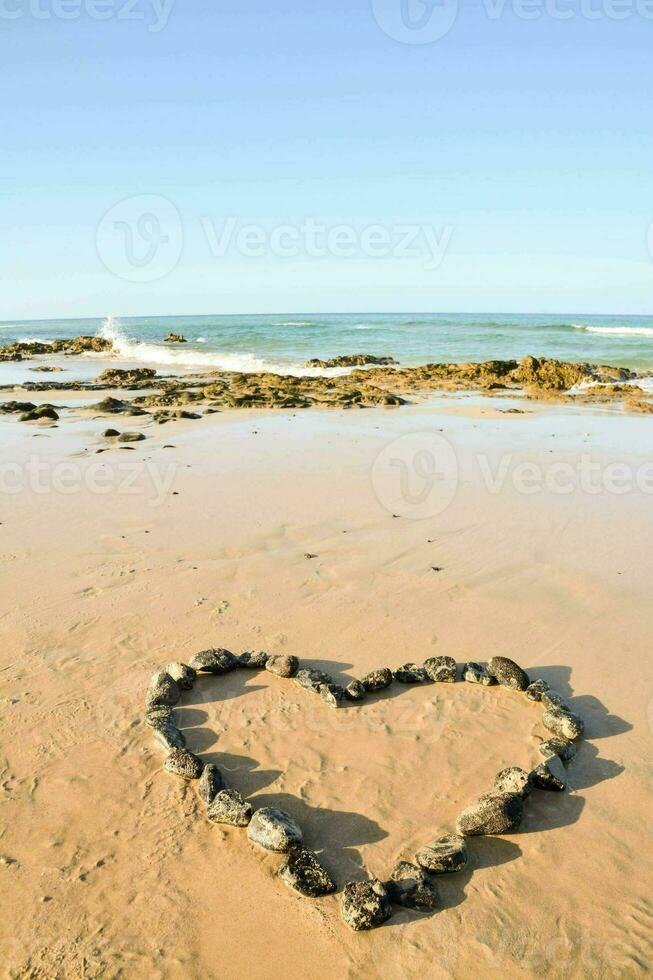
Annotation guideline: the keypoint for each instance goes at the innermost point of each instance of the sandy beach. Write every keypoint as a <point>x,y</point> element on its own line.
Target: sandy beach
<point>293,533</point>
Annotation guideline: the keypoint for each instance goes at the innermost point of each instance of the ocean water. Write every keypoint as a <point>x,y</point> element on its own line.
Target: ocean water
<point>284,343</point>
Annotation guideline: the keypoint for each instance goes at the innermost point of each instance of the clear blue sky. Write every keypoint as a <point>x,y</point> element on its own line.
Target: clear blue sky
<point>531,140</point>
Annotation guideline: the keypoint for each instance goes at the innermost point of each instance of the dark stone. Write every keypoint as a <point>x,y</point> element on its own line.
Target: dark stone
<point>508,673</point>
<point>110,433</point>
<point>445,855</point>
<point>513,780</point>
<point>283,666</point>
<point>162,691</point>
<point>411,887</point>
<point>564,724</point>
<point>377,680</point>
<point>333,695</point>
<point>365,904</point>
<point>551,774</point>
<point>131,437</point>
<point>562,747</point>
<point>159,716</point>
<point>311,679</point>
<point>217,661</point>
<point>355,691</point>
<point>551,699</point>
<point>302,871</point>
<point>183,763</point>
<point>253,660</point>
<point>410,674</point>
<point>475,673</point>
<point>169,736</point>
<point>442,670</point>
<point>536,689</point>
<point>229,807</point>
<point>184,675</point>
<point>210,784</point>
<point>274,830</point>
<point>491,813</point>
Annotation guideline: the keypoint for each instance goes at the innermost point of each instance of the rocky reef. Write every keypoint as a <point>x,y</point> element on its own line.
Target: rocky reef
<point>350,360</point>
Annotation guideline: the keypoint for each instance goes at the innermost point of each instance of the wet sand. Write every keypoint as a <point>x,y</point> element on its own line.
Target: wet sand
<point>111,869</point>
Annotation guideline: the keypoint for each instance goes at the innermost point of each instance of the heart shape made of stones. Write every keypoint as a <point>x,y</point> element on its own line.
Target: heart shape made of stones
<point>365,904</point>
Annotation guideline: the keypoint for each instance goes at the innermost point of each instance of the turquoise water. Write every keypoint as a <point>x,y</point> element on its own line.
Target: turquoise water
<point>285,343</point>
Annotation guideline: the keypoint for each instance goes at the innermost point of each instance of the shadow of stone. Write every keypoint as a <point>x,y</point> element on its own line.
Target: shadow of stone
<point>189,717</point>
<point>558,678</point>
<point>599,723</point>
<point>548,810</point>
<point>588,768</point>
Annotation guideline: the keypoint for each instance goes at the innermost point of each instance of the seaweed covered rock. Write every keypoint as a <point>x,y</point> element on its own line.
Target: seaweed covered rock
<point>174,338</point>
<point>365,904</point>
<point>350,360</point>
<point>491,813</point>
<point>210,784</point>
<point>181,673</point>
<point>475,673</point>
<point>444,855</point>
<point>302,872</point>
<point>274,830</point>
<point>183,763</point>
<point>127,377</point>
<point>442,670</point>
<point>229,807</point>
<point>513,780</point>
<point>377,680</point>
<point>283,665</point>
<point>550,774</point>
<point>508,673</point>
<point>562,747</point>
<point>410,886</point>
<point>409,674</point>
<point>564,724</point>
<point>214,661</point>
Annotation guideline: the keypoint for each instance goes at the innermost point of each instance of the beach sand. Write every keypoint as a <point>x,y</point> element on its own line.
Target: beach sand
<point>110,868</point>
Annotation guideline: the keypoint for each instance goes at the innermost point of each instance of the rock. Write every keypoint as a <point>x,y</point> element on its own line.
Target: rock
<point>350,360</point>
<point>508,673</point>
<point>274,830</point>
<point>8,408</point>
<point>183,763</point>
<point>365,904</point>
<point>162,691</point>
<point>169,736</point>
<point>127,377</point>
<point>513,780</point>
<point>210,784</point>
<point>253,660</point>
<point>564,724</point>
<point>40,412</point>
<point>174,338</point>
<point>131,437</point>
<point>229,807</point>
<point>184,675</point>
<point>409,674</point>
<point>411,887</point>
<point>282,666</point>
<point>444,855</point>
<point>551,774</point>
<point>159,716</point>
<point>491,813</point>
<point>355,690</point>
<point>562,747</point>
<point>377,680</point>
<point>442,670</point>
<point>311,679</point>
<point>216,661</point>
<point>114,406</point>
<point>110,433</point>
<point>333,695</point>
<point>302,871</point>
<point>475,673</point>
<point>551,699</point>
<point>535,690</point>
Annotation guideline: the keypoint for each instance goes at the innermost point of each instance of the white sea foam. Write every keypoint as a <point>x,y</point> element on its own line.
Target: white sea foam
<point>616,331</point>
<point>185,357</point>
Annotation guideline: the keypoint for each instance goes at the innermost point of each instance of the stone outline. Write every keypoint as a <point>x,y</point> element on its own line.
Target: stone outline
<point>369,903</point>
